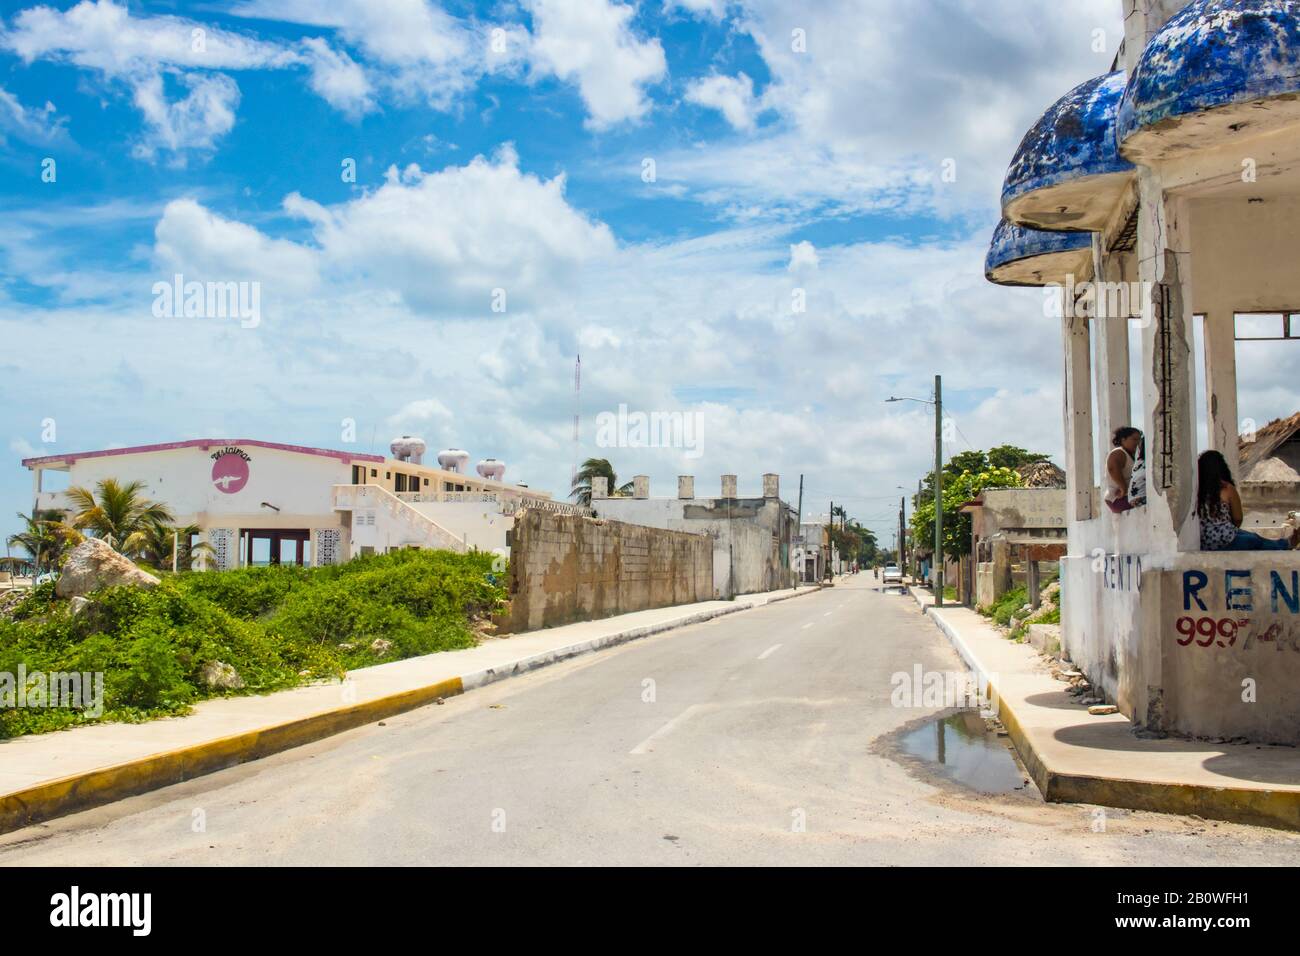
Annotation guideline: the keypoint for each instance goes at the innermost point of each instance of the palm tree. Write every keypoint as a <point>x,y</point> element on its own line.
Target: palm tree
<point>117,513</point>
<point>597,468</point>
<point>158,541</point>
<point>45,538</point>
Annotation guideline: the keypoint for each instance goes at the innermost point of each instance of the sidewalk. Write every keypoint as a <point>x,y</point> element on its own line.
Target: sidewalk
<point>1077,758</point>
<point>48,775</point>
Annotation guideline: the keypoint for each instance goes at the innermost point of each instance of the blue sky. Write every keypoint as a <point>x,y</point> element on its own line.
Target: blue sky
<point>795,148</point>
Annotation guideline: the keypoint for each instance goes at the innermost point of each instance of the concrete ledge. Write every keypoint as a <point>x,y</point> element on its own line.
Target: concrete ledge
<point>396,688</point>
<point>1074,757</point>
<point>97,787</point>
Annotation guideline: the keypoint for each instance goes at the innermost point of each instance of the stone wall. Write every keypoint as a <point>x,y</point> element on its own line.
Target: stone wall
<point>566,568</point>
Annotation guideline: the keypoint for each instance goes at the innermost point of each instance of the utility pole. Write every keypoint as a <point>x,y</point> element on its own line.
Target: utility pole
<point>798,530</point>
<point>938,491</point>
<point>902,532</point>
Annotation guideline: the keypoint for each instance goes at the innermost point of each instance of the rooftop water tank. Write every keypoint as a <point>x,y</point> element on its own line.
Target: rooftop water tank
<point>491,469</point>
<point>408,448</point>
<point>453,459</point>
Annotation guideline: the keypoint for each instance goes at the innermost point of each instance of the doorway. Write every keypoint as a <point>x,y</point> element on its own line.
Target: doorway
<point>265,547</point>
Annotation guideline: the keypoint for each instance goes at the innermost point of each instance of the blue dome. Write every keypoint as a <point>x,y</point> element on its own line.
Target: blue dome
<point>1068,173</point>
<point>1035,257</point>
<point>1213,55</point>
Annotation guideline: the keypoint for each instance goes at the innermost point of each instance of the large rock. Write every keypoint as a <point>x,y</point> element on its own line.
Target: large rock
<point>93,565</point>
<point>220,676</point>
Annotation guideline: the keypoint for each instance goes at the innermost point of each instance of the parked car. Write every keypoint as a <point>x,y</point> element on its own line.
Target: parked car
<point>893,576</point>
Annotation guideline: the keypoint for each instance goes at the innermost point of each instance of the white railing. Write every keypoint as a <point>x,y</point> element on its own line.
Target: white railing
<point>507,502</point>
<point>354,497</point>
<point>511,505</point>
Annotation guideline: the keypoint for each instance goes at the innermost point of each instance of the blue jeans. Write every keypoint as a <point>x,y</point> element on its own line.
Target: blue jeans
<point>1249,541</point>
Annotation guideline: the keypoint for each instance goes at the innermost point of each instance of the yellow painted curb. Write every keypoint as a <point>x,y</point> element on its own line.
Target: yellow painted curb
<point>97,787</point>
<point>1279,809</point>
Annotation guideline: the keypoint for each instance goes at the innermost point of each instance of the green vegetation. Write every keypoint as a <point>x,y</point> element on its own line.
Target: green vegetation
<point>956,492</point>
<point>1005,606</point>
<point>1011,603</point>
<point>276,626</point>
<point>852,540</point>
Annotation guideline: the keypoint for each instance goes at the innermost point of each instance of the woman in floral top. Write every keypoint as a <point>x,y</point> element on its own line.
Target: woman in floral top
<point>1218,505</point>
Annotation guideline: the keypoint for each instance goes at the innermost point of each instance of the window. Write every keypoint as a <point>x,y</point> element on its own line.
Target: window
<point>1265,359</point>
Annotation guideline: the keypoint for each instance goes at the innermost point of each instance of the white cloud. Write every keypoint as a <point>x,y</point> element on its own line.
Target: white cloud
<point>194,122</point>
<point>591,42</point>
<point>882,93</point>
<point>442,242</point>
<point>30,124</point>
<point>803,256</point>
<point>204,246</point>
<point>140,52</point>
<point>413,48</point>
<point>423,412</point>
<point>338,79</point>
<point>733,96</point>
<point>103,36</point>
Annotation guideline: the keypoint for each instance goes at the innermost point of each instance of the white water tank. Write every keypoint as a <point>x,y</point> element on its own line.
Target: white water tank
<point>453,459</point>
<point>491,469</point>
<point>408,448</point>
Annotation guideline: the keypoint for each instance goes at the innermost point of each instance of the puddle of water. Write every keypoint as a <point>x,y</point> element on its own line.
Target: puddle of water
<point>967,752</point>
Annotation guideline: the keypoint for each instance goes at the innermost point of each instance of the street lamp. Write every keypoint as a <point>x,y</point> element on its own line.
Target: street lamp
<point>938,482</point>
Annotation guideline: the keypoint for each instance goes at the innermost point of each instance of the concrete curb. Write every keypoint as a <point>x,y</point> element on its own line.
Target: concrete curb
<point>84,791</point>
<point>1266,808</point>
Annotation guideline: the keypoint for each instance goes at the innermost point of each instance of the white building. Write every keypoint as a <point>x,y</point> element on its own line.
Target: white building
<point>1162,203</point>
<point>258,502</point>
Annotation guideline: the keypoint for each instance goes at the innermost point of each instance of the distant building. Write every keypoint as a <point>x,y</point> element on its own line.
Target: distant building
<point>258,502</point>
<point>1270,473</point>
<point>813,551</point>
<point>753,536</point>
<point>1013,531</point>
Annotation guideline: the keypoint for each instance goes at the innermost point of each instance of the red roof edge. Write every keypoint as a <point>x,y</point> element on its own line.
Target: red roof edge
<point>204,443</point>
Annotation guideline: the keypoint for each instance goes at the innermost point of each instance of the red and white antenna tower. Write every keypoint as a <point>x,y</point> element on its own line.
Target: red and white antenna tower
<point>577,416</point>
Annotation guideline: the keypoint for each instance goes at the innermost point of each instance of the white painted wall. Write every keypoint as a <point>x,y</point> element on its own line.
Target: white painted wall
<point>181,478</point>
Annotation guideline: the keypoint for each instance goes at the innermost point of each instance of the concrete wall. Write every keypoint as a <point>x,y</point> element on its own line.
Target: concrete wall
<point>565,568</point>
<point>747,555</point>
<point>1224,633</point>
<point>1022,509</point>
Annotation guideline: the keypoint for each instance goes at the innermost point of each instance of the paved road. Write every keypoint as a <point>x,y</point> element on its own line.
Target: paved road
<point>707,745</point>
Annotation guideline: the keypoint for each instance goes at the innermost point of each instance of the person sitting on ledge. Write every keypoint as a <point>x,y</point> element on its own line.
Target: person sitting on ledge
<point>1218,505</point>
<point>1119,468</point>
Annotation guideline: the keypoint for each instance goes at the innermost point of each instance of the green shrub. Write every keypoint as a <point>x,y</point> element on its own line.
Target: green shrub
<point>277,626</point>
<point>1007,605</point>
